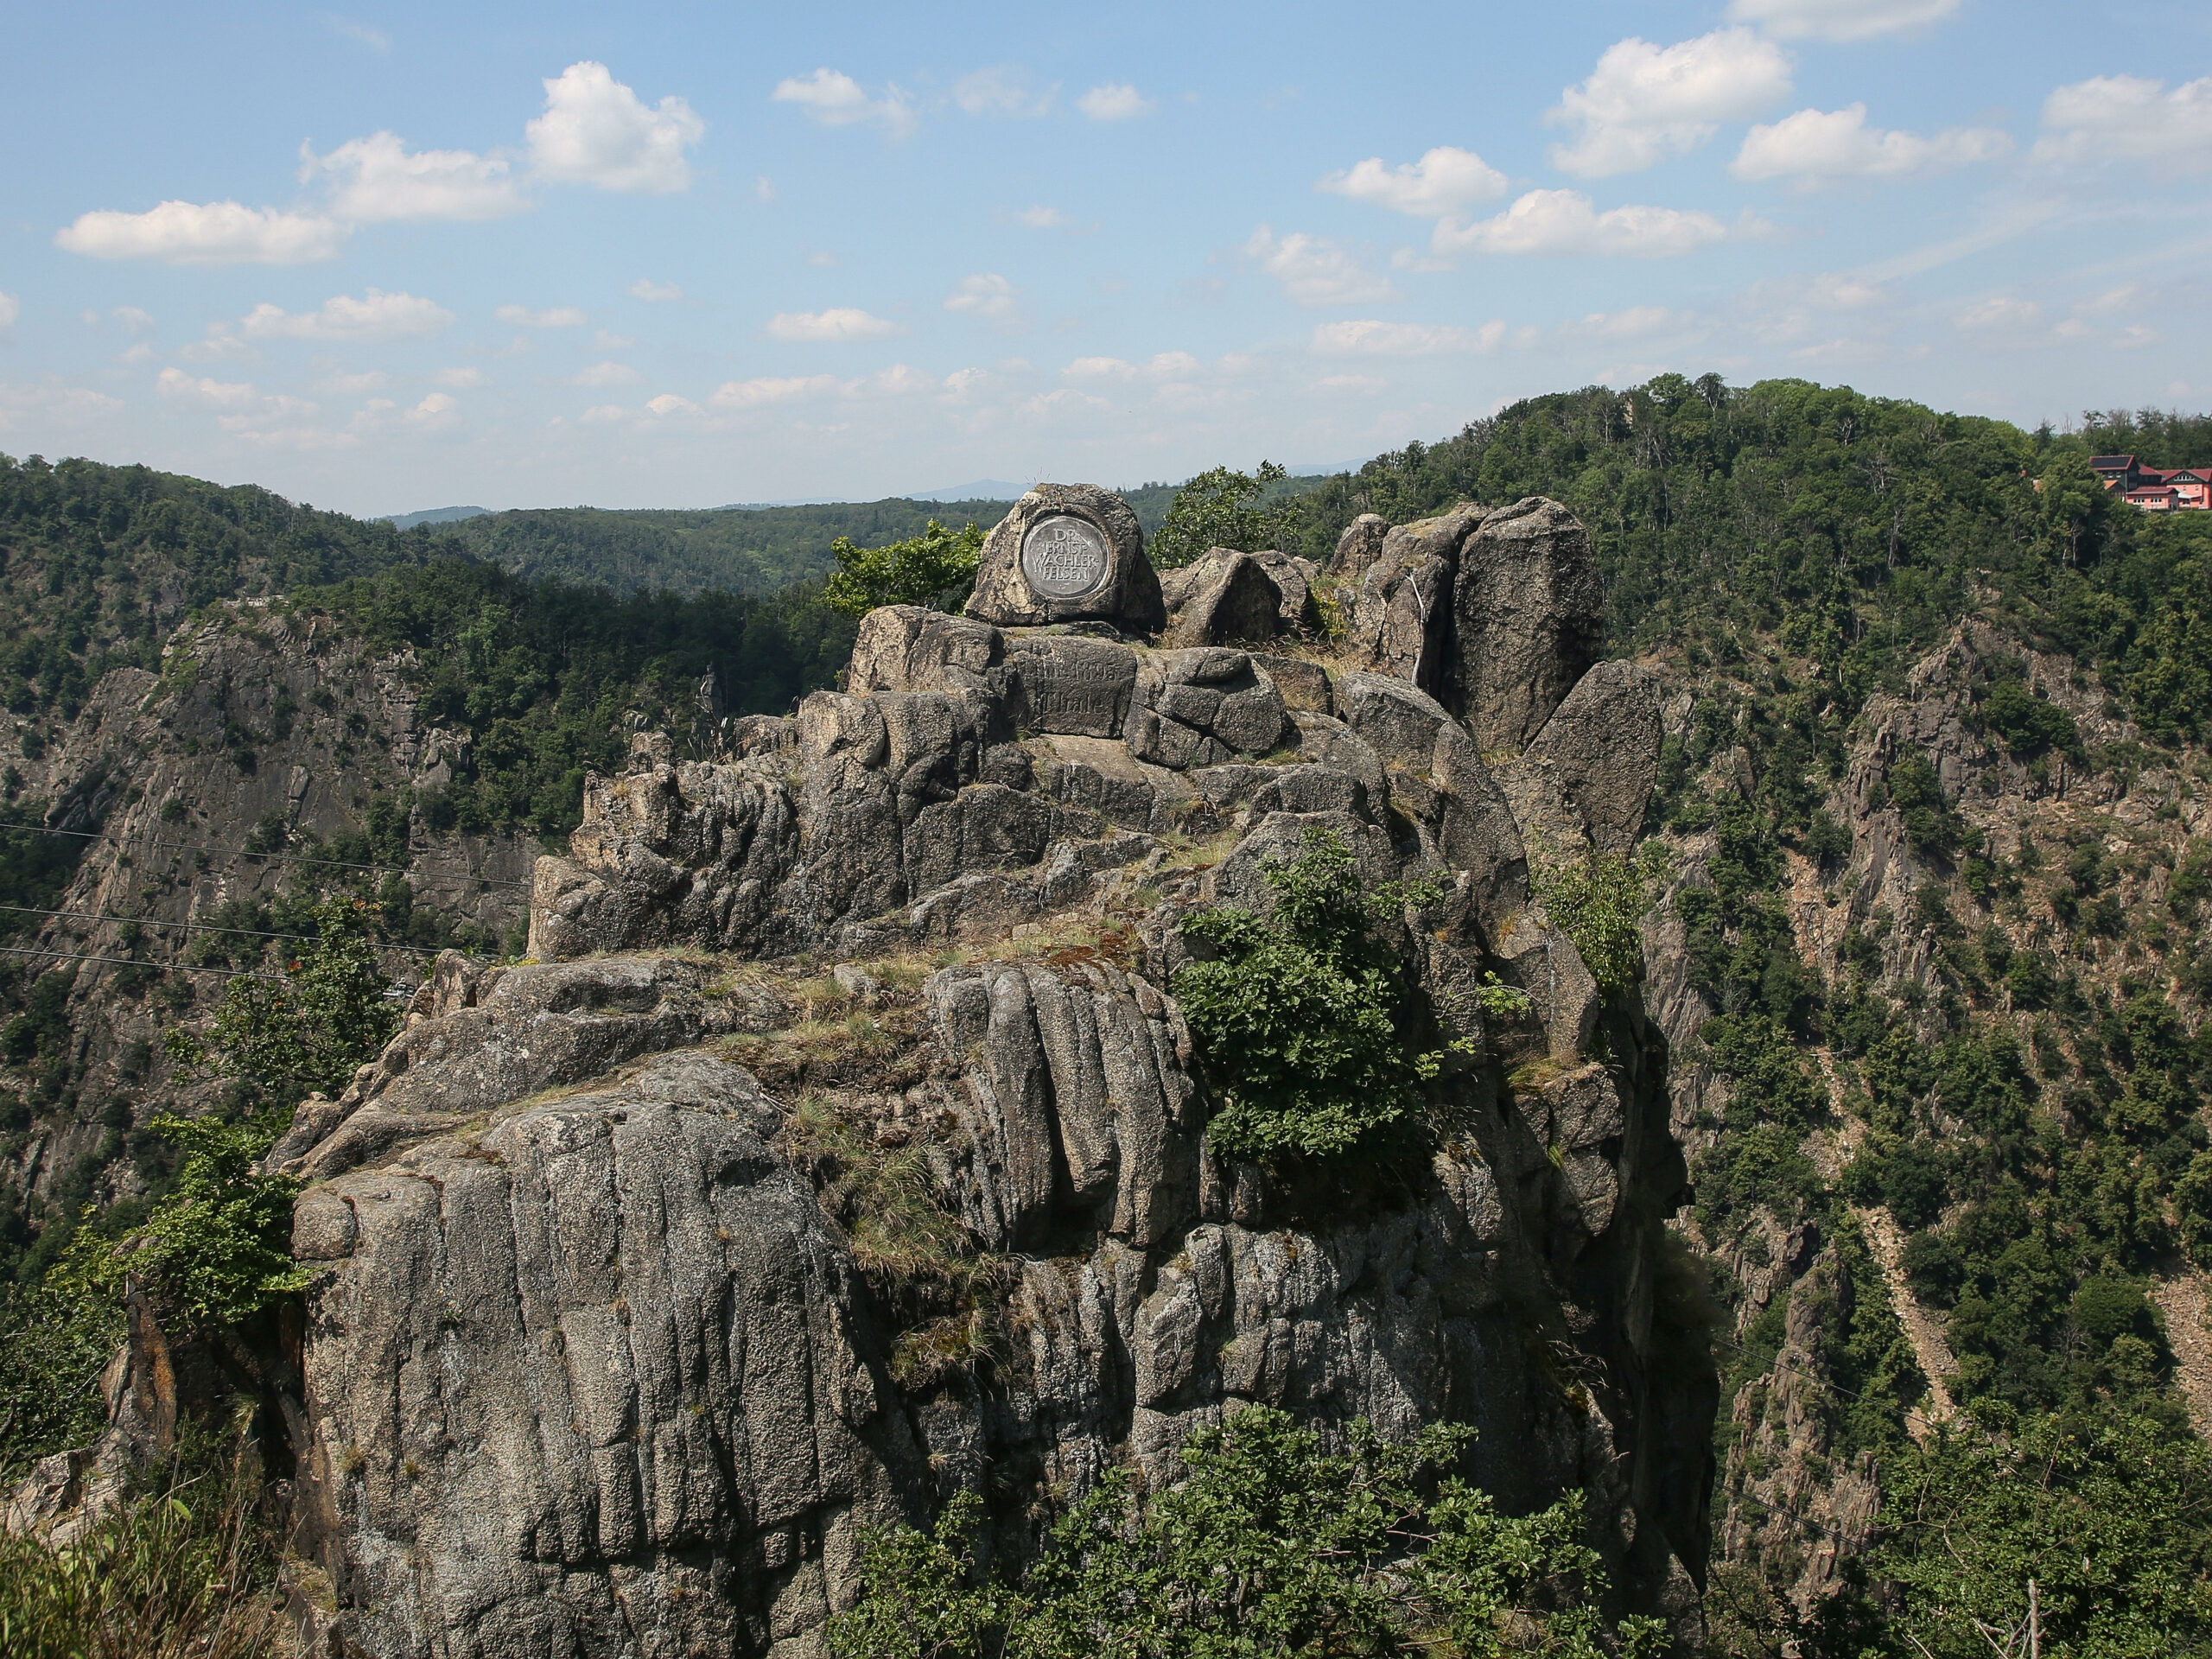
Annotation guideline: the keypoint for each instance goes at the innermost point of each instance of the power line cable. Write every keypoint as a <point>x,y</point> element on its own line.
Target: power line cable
<point>242,852</point>
<point>157,967</point>
<point>201,927</point>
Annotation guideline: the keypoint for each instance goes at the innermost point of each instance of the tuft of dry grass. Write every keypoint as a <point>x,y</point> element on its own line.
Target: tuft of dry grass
<point>182,1569</point>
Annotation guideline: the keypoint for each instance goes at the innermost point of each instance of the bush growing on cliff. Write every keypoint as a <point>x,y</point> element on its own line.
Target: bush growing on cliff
<point>1268,1545</point>
<point>1217,508</point>
<point>285,1039</point>
<point>933,568</point>
<point>1298,1013</point>
<point>1598,903</point>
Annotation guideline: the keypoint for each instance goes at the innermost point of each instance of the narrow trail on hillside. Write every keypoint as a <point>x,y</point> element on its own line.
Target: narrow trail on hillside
<point>2183,1300</point>
<point>1931,1351</point>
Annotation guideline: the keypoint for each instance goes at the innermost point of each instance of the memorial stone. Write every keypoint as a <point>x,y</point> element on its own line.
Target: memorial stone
<point>1067,553</point>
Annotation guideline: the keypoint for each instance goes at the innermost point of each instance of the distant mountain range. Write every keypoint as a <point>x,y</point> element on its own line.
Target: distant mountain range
<point>433,516</point>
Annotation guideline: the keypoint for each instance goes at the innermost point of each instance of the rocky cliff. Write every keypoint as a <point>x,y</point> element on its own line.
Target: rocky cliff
<point>840,1144</point>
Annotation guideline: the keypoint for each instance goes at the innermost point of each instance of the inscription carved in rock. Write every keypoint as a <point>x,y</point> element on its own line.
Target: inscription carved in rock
<point>1065,557</point>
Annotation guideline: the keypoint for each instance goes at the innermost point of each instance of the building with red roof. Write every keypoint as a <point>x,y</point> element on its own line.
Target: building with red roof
<point>2155,489</point>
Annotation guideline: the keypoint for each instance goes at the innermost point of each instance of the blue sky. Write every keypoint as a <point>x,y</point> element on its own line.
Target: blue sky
<point>398,256</point>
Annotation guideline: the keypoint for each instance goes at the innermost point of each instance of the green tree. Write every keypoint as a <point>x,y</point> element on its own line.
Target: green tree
<point>1599,902</point>
<point>219,1247</point>
<point>1267,1546</point>
<point>931,569</point>
<point>285,1039</point>
<point>2103,1510</point>
<point>1298,1013</point>
<point>1218,509</point>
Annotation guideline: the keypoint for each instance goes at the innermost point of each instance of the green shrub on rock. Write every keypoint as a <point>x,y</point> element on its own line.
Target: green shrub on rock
<point>1298,1013</point>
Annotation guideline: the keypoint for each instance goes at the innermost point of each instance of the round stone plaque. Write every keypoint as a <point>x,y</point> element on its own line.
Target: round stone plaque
<point>1065,557</point>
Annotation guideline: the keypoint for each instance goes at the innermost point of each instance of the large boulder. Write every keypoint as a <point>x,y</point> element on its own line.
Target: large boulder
<point>1229,598</point>
<point>1602,743</point>
<point>1529,614</point>
<point>1067,553</point>
<point>1401,618</point>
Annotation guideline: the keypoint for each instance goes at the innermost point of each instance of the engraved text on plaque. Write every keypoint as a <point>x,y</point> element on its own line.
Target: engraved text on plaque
<point>1065,557</point>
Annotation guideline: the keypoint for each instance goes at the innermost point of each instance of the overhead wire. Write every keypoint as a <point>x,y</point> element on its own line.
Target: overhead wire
<point>133,962</point>
<point>198,927</point>
<point>244,852</point>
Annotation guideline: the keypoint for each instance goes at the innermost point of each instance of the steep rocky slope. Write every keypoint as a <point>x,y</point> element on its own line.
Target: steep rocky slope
<point>840,1145</point>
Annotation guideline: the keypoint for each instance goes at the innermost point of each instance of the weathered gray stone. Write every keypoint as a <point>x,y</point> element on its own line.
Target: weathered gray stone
<point>907,648</point>
<point>1229,598</point>
<point>1529,614</point>
<point>1357,548</point>
<point>1201,708</point>
<point>1127,594</point>
<point>1603,744</point>
<point>1066,683</point>
<point>1401,621</point>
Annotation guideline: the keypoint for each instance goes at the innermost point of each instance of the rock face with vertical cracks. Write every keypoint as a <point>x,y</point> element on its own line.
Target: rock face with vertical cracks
<point>623,1328</point>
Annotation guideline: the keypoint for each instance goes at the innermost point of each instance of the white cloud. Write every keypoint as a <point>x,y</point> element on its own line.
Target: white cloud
<point>764,187</point>
<point>653,293</point>
<point>1565,222</point>
<point>669,404</point>
<point>1355,385</point>
<point>842,322</point>
<point>2001,311</point>
<point>1634,323</point>
<point>748,394</point>
<point>1114,101</point>
<point>375,180</point>
<point>1370,338</point>
<point>835,99</point>
<point>1314,270</point>
<point>605,339</point>
<point>2128,118</point>
<point>558,316</point>
<point>132,320</point>
<point>1814,147</point>
<point>986,295</point>
<point>607,374</point>
<point>1839,20</point>
<point>376,315</point>
<point>10,308</point>
<point>1443,180</point>
<point>603,412</point>
<point>54,405</point>
<point>360,34</point>
<point>1041,218</point>
<point>352,386</point>
<point>436,409</point>
<point>595,131</point>
<point>460,380</point>
<point>1645,102</point>
<point>1001,89</point>
<point>210,234</point>
<point>1163,366</point>
<point>1101,368</point>
<point>217,394</point>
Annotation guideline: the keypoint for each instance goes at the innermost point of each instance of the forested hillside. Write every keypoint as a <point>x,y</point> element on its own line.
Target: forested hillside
<point>1935,952</point>
<point>1930,927</point>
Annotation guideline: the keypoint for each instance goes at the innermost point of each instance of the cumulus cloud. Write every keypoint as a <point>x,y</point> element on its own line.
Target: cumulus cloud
<point>2128,118</point>
<point>460,380</point>
<point>1565,222</point>
<point>204,233</point>
<point>10,308</point>
<point>1999,313</point>
<point>436,409</point>
<point>376,179</point>
<point>596,131</point>
<point>1314,270</point>
<point>653,293</point>
<point>1001,89</point>
<point>521,316</point>
<point>669,404</point>
<point>1114,101</point>
<point>1815,147</point>
<point>1369,338</point>
<point>986,295</point>
<point>749,394</point>
<point>607,374</point>
<point>1839,20</point>
<point>1164,365</point>
<point>376,315</point>
<point>1041,218</point>
<point>842,322</point>
<point>216,394</point>
<point>1634,323</point>
<point>1645,102</point>
<point>132,320</point>
<point>835,99</point>
<point>1443,180</point>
